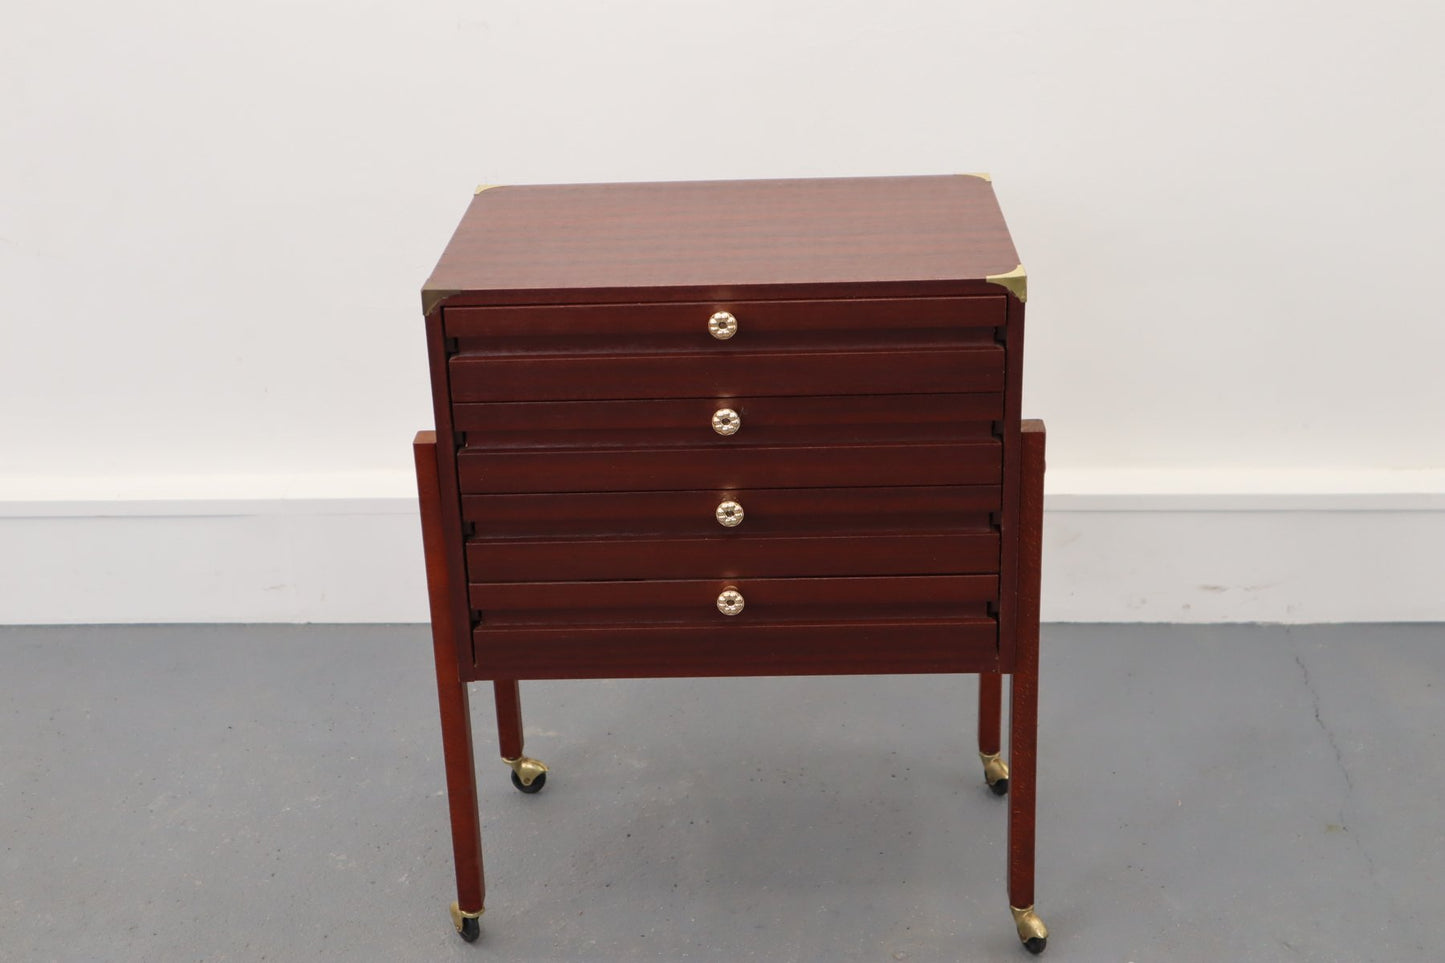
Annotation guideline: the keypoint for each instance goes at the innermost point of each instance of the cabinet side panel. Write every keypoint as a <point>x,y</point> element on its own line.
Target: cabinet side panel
<point>451,500</point>
<point>1009,527</point>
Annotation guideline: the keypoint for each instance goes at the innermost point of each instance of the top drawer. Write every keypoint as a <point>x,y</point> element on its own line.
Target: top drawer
<point>867,323</point>
<point>600,352</point>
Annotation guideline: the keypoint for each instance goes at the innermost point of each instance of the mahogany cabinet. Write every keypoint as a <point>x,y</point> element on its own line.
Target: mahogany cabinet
<point>731,428</point>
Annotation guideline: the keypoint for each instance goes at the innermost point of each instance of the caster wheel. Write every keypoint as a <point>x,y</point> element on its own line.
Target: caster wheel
<point>995,772</point>
<point>536,786</point>
<point>1033,934</point>
<point>468,925</point>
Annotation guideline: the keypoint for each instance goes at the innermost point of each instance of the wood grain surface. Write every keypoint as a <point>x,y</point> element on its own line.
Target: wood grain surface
<point>838,647</point>
<point>768,600</point>
<point>756,555</point>
<point>729,466</point>
<point>1013,341</point>
<point>725,372</point>
<point>892,497</point>
<point>761,325</point>
<point>1024,692</point>
<point>766,511</point>
<point>578,242</point>
<point>453,668</point>
<point>662,422</point>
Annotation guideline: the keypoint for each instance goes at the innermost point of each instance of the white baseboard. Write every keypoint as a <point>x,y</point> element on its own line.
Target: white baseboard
<point>275,563</point>
<point>1244,566</point>
<point>1372,550</point>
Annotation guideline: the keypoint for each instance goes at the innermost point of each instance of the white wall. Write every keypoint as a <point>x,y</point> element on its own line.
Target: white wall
<point>214,220</point>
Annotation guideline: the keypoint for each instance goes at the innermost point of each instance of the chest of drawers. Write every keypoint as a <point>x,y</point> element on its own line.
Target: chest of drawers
<point>731,428</point>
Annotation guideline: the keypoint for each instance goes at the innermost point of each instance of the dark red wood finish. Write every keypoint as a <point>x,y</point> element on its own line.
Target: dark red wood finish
<point>508,697</point>
<point>724,373</point>
<point>1024,692</point>
<point>990,711</point>
<point>762,325</point>
<point>730,466</point>
<point>1012,479</point>
<point>451,667</point>
<point>693,601</point>
<point>767,511</point>
<point>787,648</point>
<point>449,495</point>
<point>666,422</point>
<point>726,240</point>
<point>741,556</point>
<point>891,502</point>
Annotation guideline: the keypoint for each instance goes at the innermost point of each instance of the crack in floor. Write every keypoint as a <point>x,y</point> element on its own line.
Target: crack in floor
<point>1334,744</point>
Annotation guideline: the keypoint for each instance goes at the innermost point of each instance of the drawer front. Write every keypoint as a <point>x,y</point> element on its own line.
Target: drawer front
<point>671,651</point>
<point>759,325</point>
<point>694,602</point>
<point>786,626</point>
<point>862,448</point>
<point>765,511</point>
<point>763,556</point>
<point>726,372</point>
<point>828,419</point>
<point>729,467</point>
<point>770,533</point>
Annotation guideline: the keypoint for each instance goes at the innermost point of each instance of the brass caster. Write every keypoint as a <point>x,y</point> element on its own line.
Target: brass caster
<point>1032,932</point>
<point>528,775</point>
<point>469,925</point>
<point>995,772</point>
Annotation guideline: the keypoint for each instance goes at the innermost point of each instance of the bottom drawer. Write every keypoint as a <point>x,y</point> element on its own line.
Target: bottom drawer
<point>825,626</point>
<point>694,602</point>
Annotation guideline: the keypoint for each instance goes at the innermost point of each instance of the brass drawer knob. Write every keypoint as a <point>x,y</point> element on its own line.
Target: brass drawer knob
<point>730,602</point>
<point>725,421</point>
<point>729,514</point>
<point>722,325</point>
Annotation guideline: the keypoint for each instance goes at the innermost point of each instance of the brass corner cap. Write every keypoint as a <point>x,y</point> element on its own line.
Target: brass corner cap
<point>484,187</point>
<point>431,297</point>
<point>981,175</point>
<point>1016,281</point>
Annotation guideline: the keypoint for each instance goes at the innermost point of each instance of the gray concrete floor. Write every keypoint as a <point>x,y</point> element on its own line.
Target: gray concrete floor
<point>276,793</point>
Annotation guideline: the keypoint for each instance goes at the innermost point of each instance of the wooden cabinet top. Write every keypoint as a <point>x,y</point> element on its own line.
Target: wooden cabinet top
<point>725,239</point>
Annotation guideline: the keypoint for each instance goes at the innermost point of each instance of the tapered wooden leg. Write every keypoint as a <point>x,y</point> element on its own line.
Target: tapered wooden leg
<point>509,717</point>
<point>1024,695</point>
<point>1023,740</point>
<point>452,699</point>
<point>462,795</point>
<point>990,708</point>
<point>528,774</point>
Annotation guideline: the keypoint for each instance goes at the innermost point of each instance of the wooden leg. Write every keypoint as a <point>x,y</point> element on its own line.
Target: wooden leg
<point>990,708</point>
<point>462,793</point>
<point>528,774</point>
<point>1024,695</point>
<point>452,698</point>
<point>509,717</point>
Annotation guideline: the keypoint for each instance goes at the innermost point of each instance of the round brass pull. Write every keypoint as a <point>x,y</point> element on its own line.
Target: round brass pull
<point>729,514</point>
<point>722,325</point>
<point>730,602</point>
<point>725,421</point>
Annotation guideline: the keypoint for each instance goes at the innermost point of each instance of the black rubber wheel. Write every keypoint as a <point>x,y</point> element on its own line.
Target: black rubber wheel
<point>1036,945</point>
<point>536,786</point>
<point>1000,788</point>
<point>471,929</point>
